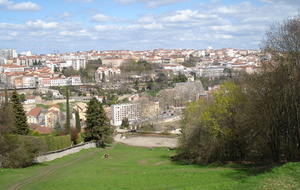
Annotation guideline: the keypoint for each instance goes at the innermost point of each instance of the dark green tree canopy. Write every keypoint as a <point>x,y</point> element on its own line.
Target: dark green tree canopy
<point>19,116</point>
<point>97,123</point>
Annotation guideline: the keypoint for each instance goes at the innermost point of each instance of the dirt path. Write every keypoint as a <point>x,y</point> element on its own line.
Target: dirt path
<point>142,141</point>
<point>51,170</point>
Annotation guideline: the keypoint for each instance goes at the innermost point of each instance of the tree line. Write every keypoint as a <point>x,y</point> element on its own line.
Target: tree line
<point>256,118</point>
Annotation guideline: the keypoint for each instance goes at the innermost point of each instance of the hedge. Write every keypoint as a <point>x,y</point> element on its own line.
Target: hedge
<point>56,142</point>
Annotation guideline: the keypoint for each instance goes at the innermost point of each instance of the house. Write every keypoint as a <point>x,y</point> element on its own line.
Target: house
<point>174,67</point>
<point>51,117</point>
<point>33,114</point>
<point>54,107</point>
<point>103,73</point>
<point>30,100</point>
<point>81,108</point>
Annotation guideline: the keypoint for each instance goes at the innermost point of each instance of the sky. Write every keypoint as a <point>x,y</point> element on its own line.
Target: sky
<point>52,26</point>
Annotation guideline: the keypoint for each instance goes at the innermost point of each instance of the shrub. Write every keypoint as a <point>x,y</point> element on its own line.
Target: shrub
<point>56,142</point>
<point>19,151</point>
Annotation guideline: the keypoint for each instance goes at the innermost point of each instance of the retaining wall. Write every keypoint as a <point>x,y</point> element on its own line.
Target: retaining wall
<point>64,152</point>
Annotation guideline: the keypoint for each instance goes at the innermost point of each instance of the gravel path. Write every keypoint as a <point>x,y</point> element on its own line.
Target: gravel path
<point>148,141</point>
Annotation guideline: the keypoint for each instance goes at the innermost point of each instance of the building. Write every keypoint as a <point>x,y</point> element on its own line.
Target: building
<point>132,111</point>
<point>8,53</point>
<point>32,115</point>
<point>103,73</point>
<point>77,64</point>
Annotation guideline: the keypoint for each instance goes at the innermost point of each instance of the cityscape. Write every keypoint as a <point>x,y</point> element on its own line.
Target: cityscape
<point>150,94</point>
<point>40,76</point>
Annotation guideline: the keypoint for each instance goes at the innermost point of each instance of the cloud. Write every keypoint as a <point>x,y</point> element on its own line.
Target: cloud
<point>151,3</point>
<point>101,18</point>
<point>291,2</point>
<point>40,25</point>
<point>78,1</point>
<point>23,6</point>
<point>65,16</point>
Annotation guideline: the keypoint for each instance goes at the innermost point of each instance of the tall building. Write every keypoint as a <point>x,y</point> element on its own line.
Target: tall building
<point>8,53</point>
<point>132,111</point>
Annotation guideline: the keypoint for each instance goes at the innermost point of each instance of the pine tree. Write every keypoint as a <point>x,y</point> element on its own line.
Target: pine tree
<point>19,116</point>
<point>97,123</point>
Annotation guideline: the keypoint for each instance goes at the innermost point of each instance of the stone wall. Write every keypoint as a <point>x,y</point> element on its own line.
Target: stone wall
<point>64,152</point>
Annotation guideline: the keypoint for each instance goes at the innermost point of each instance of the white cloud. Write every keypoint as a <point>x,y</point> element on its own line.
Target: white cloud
<point>23,6</point>
<point>101,18</point>
<point>65,15</point>
<point>151,3</point>
<point>40,25</point>
<point>79,1</point>
<point>145,19</point>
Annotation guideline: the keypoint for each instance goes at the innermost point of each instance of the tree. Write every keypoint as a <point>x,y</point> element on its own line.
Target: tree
<point>6,119</point>
<point>97,123</point>
<point>67,124</point>
<point>276,91</point>
<point>125,123</point>
<point>224,121</point>
<point>77,119</point>
<point>19,116</point>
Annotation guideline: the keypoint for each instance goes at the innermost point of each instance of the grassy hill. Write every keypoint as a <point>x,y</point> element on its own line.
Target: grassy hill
<point>140,168</point>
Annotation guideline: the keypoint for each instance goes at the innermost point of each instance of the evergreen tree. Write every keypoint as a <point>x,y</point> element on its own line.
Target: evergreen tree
<point>97,123</point>
<point>67,124</point>
<point>125,123</point>
<point>77,118</point>
<point>19,116</point>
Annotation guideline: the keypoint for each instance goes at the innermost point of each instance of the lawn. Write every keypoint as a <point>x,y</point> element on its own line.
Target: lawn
<point>140,168</point>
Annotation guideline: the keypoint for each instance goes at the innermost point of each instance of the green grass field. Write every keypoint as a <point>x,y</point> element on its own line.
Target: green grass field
<point>140,168</point>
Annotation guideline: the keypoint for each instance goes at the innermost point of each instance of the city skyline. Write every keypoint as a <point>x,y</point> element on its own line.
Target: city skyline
<point>82,25</point>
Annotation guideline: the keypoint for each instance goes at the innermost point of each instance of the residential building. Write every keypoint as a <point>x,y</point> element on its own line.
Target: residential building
<point>8,53</point>
<point>132,111</point>
<point>51,117</point>
<point>104,73</point>
<point>33,114</point>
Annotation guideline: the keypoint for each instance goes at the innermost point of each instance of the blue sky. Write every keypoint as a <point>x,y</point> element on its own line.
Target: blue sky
<point>82,25</point>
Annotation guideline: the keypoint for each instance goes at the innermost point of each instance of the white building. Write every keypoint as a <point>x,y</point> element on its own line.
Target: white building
<point>77,64</point>
<point>175,67</point>
<point>106,73</point>
<point>132,111</point>
<point>8,53</point>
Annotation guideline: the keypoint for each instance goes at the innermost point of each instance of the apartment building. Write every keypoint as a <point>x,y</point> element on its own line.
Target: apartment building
<point>8,53</point>
<point>132,111</point>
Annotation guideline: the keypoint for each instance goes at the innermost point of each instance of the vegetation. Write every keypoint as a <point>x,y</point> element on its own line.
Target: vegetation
<point>97,123</point>
<point>67,125</point>
<point>125,123</point>
<point>17,150</point>
<point>256,119</point>
<point>139,168</point>
<point>140,66</point>
<point>56,142</point>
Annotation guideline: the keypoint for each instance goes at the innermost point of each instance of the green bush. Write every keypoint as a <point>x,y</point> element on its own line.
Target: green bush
<point>56,142</point>
<point>19,151</point>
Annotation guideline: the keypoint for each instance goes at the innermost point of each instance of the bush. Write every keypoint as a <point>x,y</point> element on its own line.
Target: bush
<point>56,143</point>
<point>19,151</point>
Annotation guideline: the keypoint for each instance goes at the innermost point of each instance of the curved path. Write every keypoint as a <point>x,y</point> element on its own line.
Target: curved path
<point>51,170</point>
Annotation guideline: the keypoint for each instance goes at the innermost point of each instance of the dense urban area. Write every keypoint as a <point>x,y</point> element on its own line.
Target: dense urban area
<point>138,85</point>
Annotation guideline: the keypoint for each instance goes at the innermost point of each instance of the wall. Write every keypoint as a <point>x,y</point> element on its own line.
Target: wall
<point>64,152</point>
